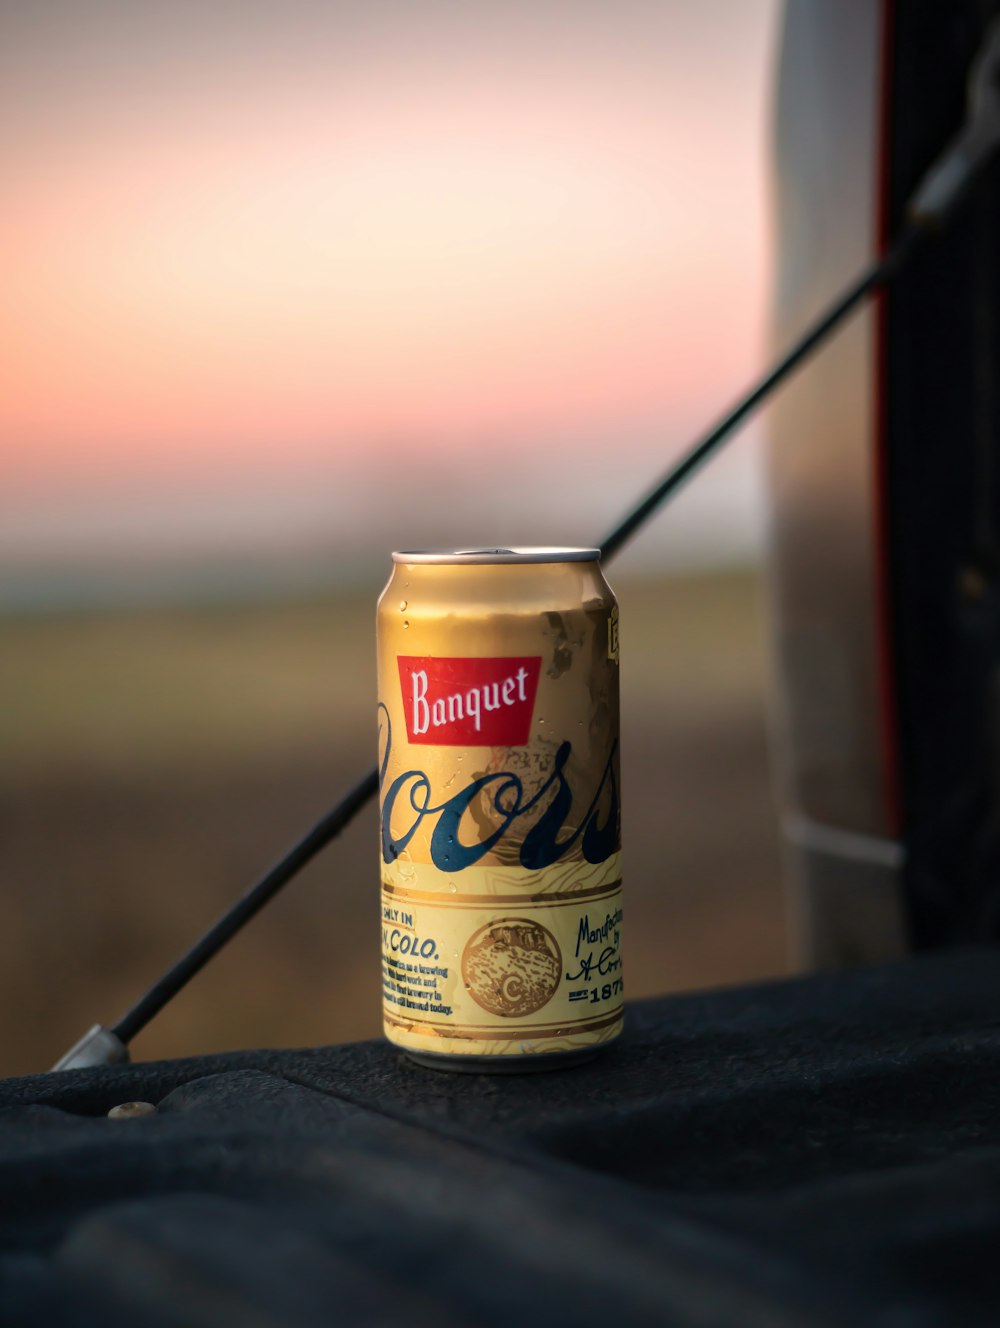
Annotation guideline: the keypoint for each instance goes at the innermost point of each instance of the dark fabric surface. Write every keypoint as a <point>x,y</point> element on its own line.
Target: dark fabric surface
<point>823,1151</point>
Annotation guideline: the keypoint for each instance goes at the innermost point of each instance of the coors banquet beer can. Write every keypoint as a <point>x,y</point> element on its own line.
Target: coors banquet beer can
<point>499,798</point>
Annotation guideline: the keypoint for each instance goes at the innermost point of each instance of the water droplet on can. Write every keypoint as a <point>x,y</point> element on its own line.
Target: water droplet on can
<point>405,624</point>
<point>402,606</point>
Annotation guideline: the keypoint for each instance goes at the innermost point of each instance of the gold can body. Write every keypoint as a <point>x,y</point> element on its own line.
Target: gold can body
<point>499,777</point>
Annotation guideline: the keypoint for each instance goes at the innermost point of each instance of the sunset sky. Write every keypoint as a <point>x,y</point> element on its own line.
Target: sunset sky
<point>336,277</point>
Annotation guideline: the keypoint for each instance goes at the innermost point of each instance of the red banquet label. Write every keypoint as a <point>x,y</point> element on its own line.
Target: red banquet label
<point>469,702</point>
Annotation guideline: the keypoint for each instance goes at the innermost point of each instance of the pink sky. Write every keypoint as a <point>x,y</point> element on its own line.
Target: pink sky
<point>326,236</point>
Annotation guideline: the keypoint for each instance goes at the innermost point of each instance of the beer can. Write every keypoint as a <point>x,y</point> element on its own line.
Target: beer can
<point>499,782</point>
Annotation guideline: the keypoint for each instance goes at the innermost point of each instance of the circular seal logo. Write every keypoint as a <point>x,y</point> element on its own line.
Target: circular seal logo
<point>511,966</point>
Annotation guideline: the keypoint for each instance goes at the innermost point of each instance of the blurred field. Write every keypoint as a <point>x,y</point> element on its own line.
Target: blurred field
<point>154,762</point>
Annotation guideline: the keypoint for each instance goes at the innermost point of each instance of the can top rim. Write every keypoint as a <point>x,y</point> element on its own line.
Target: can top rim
<point>540,554</point>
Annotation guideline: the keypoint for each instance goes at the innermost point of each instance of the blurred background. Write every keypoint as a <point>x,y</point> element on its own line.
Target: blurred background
<point>287,287</point>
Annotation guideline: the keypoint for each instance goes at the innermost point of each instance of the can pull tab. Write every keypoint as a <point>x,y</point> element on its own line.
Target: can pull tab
<point>472,553</point>
<point>974,144</point>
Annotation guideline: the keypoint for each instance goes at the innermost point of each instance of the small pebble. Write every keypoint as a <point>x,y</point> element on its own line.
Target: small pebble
<point>131,1110</point>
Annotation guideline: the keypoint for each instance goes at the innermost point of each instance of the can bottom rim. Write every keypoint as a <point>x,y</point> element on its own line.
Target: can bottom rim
<point>547,1060</point>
